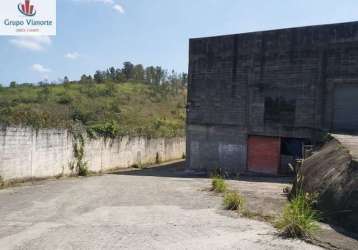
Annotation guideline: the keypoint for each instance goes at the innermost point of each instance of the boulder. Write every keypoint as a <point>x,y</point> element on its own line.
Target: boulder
<point>332,173</point>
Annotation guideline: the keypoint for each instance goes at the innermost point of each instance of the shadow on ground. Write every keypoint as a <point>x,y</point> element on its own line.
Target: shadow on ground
<point>178,170</point>
<point>173,169</point>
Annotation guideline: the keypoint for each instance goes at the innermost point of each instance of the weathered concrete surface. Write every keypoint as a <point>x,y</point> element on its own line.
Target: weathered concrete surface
<point>350,142</point>
<point>264,196</point>
<point>333,174</point>
<point>26,153</point>
<point>128,211</point>
<point>289,83</point>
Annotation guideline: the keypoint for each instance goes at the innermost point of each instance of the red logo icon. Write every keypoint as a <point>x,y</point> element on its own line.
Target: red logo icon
<point>26,9</point>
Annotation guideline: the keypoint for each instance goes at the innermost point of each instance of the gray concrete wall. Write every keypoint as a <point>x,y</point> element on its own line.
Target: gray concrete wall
<point>213,147</point>
<point>26,153</point>
<point>271,83</point>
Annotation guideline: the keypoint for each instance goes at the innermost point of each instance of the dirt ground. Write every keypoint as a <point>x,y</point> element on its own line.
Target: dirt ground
<point>158,208</point>
<point>265,197</point>
<point>265,200</point>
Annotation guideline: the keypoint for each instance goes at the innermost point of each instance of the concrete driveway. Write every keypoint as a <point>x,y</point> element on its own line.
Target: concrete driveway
<point>150,209</point>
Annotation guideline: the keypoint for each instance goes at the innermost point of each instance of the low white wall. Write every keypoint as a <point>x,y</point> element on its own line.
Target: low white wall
<point>26,153</point>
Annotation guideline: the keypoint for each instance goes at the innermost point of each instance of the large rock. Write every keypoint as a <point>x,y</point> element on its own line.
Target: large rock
<point>332,172</point>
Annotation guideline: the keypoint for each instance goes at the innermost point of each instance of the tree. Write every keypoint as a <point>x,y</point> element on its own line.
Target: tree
<point>89,78</point>
<point>159,75</point>
<point>184,79</point>
<point>12,84</point>
<point>120,76</point>
<point>98,77</point>
<point>149,74</point>
<point>138,73</point>
<point>83,79</point>
<point>128,70</point>
<point>173,78</point>
<point>111,73</point>
<point>66,80</point>
<point>86,79</point>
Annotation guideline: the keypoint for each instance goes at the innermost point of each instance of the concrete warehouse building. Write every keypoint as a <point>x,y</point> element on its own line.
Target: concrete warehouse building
<point>255,99</point>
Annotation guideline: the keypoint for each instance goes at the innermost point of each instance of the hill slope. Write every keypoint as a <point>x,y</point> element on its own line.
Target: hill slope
<point>108,109</point>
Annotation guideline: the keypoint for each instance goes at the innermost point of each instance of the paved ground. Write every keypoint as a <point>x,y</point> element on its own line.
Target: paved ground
<point>142,210</point>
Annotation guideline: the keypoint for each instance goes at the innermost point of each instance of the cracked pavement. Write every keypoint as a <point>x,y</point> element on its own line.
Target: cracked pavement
<point>135,210</point>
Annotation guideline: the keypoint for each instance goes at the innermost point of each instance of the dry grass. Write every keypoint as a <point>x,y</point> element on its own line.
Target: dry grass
<point>233,201</point>
<point>218,184</point>
<point>298,219</point>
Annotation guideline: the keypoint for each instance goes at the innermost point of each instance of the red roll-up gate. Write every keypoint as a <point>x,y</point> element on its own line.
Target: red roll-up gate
<point>264,154</point>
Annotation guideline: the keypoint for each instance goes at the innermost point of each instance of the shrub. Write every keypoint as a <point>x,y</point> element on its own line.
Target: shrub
<point>233,201</point>
<point>218,184</point>
<point>43,94</point>
<point>110,89</point>
<point>80,114</point>
<point>64,99</point>
<point>298,219</point>
<point>107,130</point>
<point>83,169</point>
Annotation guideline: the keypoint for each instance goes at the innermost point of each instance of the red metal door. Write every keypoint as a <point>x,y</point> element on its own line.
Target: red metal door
<point>264,154</point>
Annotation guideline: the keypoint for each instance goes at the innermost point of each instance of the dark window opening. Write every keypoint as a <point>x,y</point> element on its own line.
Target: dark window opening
<point>279,110</point>
<point>292,149</point>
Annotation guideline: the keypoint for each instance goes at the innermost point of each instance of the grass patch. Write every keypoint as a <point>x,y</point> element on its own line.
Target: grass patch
<point>106,110</point>
<point>299,219</point>
<point>218,184</point>
<point>233,201</point>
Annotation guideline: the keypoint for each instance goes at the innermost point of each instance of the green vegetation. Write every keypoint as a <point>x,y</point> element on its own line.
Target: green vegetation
<point>138,166</point>
<point>298,220</point>
<point>79,165</point>
<point>233,201</point>
<point>128,101</point>
<point>218,184</point>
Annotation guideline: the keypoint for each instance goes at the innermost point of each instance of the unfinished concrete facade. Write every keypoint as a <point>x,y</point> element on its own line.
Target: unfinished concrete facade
<point>255,98</point>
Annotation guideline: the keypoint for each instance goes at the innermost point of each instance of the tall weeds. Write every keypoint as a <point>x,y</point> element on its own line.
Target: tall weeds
<point>233,201</point>
<point>299,219</point>
<point>218,184</point>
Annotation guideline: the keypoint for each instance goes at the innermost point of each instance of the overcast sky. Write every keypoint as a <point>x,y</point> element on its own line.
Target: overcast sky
<point>96,34</point>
